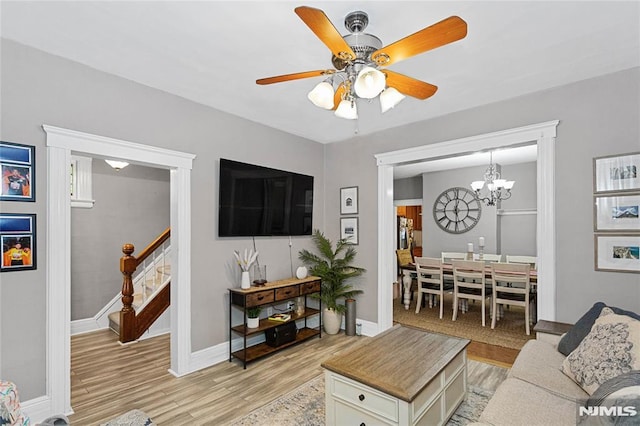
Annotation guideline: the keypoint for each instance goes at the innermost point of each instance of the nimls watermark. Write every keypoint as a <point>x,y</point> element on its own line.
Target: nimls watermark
<point>610,411</point>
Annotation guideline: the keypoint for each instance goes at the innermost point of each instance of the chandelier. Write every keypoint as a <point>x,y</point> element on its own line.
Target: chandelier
<point>498,189</point>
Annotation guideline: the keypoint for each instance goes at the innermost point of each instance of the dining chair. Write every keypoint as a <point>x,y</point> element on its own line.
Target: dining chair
<point>449,256</point>
<point>431,282</point>
<point>531,260</point>
<point>488,257</point>
<point>504,292</point>
<point>469,283</point>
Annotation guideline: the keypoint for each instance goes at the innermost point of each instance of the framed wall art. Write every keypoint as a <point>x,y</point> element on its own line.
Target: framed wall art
<point>18,238</point>
<point>349,200</point>
<point>617,173</point>
<point>17,168</point>
<point>617,253</point>
<point>617,213</point>
<point>349,229</point>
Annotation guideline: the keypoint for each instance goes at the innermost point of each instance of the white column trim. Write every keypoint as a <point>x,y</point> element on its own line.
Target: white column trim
<point>60,142</point>
<point>544,135</point>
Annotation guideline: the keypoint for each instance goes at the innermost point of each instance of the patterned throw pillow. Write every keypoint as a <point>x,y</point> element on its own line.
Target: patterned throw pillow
<point>610,349</point>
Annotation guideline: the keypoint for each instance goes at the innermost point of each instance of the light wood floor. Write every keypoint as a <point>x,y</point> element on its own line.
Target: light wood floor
<point>108,379</point>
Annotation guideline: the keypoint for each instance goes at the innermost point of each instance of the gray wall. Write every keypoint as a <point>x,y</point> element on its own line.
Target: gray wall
<point>597,117</point>
<point>132,206</point>
<point>408,188</point>
<point>38,88</point>
<point>518,232</point>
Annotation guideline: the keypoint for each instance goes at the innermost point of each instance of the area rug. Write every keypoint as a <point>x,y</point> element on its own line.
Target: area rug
<point>509,331</point>
<point>305,406</point>
<point>131,418</point>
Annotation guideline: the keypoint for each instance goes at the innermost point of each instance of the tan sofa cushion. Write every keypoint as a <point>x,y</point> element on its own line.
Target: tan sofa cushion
<point>520,403</point>
<point>540,364</point>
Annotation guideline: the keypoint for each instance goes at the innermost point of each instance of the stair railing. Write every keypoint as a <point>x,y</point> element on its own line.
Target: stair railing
<point>131,327</point>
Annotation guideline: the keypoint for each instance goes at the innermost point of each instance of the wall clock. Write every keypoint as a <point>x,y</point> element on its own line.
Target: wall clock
<point>457,210</point>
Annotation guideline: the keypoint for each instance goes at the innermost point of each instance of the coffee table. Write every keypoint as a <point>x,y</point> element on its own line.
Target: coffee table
<point>403,376</point>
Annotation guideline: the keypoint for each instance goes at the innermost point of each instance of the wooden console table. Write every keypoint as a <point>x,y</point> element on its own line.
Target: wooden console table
<point>269,294</point>
<point>403,376</point>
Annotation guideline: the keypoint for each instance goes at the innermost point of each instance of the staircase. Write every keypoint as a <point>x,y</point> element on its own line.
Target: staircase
<point>145,288</point>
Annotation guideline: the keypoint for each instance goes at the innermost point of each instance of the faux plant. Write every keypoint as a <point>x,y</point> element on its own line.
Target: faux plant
<point>246,260</point>
<point>334,267</point>
<point>254,312</point>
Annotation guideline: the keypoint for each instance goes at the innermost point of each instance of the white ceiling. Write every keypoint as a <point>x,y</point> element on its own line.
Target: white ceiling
<point>212,51</point>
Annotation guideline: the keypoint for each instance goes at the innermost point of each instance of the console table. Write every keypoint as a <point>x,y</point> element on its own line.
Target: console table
<point>271,293</point>
<point>403,376</point>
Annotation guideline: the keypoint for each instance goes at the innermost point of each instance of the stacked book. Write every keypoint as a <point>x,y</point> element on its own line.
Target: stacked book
<point>280,317</point>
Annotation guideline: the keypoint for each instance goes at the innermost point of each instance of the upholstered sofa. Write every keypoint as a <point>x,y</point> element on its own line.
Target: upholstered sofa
<point>596,363</point>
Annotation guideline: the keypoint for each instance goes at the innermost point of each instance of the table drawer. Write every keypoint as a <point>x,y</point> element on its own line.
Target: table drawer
<point>287,292</point>
<point>347,415</point>
<point>366,398</point>
<point>259,298</point>
<point>453,367</point>
<point>312,287</point>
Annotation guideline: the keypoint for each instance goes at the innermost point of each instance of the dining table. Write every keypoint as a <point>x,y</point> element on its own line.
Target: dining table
<point>409,273</point>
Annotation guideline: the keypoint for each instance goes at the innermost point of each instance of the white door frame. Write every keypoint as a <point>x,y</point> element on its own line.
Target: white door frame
<point>60,143</point>
<point>543,134</point>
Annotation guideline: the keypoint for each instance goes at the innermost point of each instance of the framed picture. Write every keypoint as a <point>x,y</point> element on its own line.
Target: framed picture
<point>18,238</point>
<point>616,173</point>
<point>618,253</point>
<point>349,229</point>
<point>349,200</point>
<point>17,168</point>
<point>617,213</point>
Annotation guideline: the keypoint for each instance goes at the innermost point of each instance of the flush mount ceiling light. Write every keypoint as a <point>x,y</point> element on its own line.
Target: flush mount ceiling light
<point>118,165</point>
<point>357,58</point>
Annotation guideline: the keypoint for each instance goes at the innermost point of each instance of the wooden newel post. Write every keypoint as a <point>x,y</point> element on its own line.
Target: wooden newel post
<point>128,266</point>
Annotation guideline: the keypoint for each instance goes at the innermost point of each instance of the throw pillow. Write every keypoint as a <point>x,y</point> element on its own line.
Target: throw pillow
<point>570,341</point>
<point>621,392</point>
<point>609,350</point>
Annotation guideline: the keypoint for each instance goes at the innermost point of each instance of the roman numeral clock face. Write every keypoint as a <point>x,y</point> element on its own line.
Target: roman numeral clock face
<point>457,210</point>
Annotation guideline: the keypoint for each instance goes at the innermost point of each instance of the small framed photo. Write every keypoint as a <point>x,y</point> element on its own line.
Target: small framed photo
<point>17,168</point>
<point>617,173</point>
<point>349,200</point>
<point>18,238</point>
<point>349,229</point>
<point>617,213</point>
<point>617,253</point>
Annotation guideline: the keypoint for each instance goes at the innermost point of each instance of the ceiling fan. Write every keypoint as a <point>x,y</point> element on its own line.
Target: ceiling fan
<point>358,56</point>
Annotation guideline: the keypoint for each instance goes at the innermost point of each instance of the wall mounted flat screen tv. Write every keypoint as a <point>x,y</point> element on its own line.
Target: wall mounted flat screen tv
<point>260,201</point>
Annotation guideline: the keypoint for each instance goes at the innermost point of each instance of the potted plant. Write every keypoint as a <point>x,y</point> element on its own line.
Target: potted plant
<point>334,268</point>
<point>253,316</point>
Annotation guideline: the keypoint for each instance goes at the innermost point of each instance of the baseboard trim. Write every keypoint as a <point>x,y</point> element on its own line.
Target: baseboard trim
<point>86,325</point>
<point>39,409</point>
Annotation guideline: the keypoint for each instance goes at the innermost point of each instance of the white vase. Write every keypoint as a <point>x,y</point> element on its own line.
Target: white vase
<point>246,282</point>
<point>253,322</point>
<point>331,320</point>
<point>301,272</point>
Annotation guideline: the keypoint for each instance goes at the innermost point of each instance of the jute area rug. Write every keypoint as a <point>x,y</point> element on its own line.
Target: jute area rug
<point>305,406</point>
<point>509,331</point>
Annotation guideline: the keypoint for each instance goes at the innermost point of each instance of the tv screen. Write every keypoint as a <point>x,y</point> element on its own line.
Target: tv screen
<point>260,201</point>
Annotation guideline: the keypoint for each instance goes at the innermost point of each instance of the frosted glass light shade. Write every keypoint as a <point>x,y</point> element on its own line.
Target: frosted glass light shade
<point>499,183</point>
<point>347,109</point>
<point>322,95</point>
<point>477,185</point>
<point>117,164</point>
<point>370,83</point>
<point>389,98</point>
<point>509,184</point>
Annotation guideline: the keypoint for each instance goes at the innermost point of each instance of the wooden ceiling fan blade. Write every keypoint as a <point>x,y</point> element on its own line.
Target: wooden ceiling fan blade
<point>294,76</point>
<point>337,96</point>
<point>444,32</point>
<point>322,27</point>
<point>410,86</point>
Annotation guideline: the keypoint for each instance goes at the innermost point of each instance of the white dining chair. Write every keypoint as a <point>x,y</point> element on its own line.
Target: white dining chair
<point>531,260</point>
<point>469,283</point>
<point>449,256</point>
<point>431,282</point>
<point>504,292</point>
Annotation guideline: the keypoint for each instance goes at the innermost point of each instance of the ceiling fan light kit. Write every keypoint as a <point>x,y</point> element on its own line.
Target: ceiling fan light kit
<point>357,57</point>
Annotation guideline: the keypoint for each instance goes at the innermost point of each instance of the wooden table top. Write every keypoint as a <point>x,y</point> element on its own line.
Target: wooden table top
<point>399,362</point>
<point>270,285</point>
<point>448,268</point>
